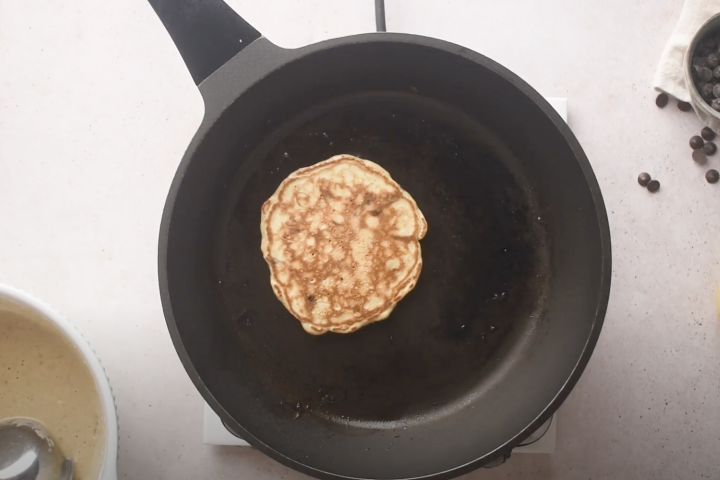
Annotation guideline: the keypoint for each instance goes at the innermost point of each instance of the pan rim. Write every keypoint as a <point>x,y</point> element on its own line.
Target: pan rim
<point>213,113</point>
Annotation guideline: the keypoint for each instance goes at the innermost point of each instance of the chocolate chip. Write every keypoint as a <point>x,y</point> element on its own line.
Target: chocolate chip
<point>661,100</point>
<point>716,73</point>
<point>712,176</point>
<point>710,148</point>
<point>696,142</point>
<point>310,298</point>
<point>703,73</point>
<point>699,156</point>
<point>653,186</point>
<point>713,60</point>
<point>707,133</point>
<point>715,104</point>
<point>375,213</point>
<point>709,42</point>
<point>700,61</point>
<point>685,107</point>
<point>706,90</point>
<point>644,179</point>
<point>702,51</point>
<point>716,90</point>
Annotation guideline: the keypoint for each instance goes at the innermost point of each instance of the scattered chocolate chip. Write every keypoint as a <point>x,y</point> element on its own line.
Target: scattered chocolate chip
<point>699,156</point>
<point>644,179</point>
<point>713,60</point>
<point>702,50</point>
<point>684,106</point>
<point>716,73</point>
<point>716,90</point>
<point>696,142</point>
<point>715,104</point>
<point>712,176</point>
<point>709,42</point>
<point>653,186</point>
<point>707,133</point>
<point>661,100</point>
<point>710,148</point>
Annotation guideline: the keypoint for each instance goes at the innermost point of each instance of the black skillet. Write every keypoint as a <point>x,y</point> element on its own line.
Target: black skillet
<point>517,261</point>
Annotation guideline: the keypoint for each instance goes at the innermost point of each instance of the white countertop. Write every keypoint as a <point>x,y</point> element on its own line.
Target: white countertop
<point>96,109</point>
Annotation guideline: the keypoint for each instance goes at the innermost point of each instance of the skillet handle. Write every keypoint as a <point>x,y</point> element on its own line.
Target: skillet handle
<point>207,33</point>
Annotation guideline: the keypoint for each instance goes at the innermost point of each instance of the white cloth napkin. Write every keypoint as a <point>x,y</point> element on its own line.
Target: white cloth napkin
<point>669,76</point>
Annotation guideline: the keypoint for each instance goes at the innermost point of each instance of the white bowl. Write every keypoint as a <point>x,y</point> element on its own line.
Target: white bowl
<point>108,471</point>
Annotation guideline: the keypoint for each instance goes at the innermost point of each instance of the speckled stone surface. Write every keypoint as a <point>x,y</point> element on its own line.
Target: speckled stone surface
<point>96,109</point>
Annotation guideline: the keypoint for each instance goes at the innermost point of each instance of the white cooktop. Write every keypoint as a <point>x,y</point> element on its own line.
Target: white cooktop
<point>542,441</point>
<point>215,433</point>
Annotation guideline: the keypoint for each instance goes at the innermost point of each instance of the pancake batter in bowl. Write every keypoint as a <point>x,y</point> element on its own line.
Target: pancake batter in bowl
<point>43,376</point>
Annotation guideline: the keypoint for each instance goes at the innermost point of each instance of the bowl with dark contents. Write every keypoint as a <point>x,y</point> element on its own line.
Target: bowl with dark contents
<point>702,72</point>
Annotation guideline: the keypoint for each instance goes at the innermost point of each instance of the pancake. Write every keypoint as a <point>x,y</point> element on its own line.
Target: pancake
<point>342,240</point>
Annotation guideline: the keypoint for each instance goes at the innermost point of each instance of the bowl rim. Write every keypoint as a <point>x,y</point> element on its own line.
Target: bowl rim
<point>108,469</point>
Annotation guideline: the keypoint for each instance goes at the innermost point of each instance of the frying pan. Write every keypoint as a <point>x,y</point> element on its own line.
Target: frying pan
<point>517,262</point>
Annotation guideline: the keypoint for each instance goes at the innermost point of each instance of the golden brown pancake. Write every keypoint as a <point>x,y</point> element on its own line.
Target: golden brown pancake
<point>342,240</point>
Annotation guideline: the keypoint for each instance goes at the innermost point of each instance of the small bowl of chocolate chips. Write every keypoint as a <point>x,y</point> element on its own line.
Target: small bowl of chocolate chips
<point>702,72</point>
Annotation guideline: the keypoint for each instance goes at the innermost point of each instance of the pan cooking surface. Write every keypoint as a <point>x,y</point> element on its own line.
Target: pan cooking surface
<point>484,277</point>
